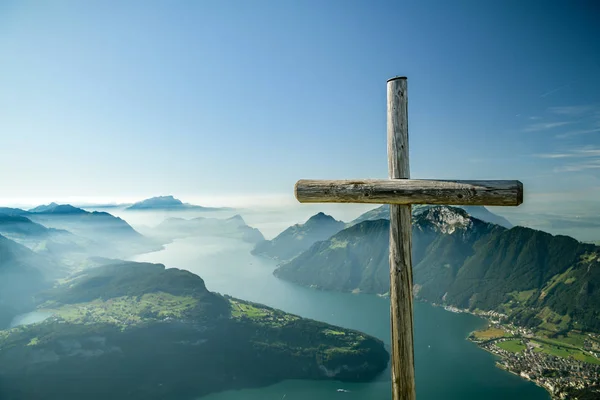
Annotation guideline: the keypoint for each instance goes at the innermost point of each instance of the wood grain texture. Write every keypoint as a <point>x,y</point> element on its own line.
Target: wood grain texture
<point>411,191</point>
<point>401,297</point>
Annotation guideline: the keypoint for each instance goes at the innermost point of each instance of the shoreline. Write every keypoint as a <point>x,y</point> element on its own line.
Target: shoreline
<point>560,376</point>
<point>487,317</point>
<point>502,367</point>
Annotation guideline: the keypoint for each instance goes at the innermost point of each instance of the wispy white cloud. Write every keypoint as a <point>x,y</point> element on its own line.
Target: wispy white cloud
<point>589,151</point>
<point>543,126</point>
<point>572,111</point>
<point>578,132</point>
<point>581,152</point>
<point>554,155</point>
<point>579,159</point>
<point>585,116</point>
<point>594,164</point>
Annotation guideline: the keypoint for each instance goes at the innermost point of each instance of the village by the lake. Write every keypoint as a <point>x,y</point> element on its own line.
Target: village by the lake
<point>563,366</point>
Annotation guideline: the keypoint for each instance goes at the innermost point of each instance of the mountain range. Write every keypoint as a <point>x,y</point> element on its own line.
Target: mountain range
<point>37,237</point>
<point>47,242</point>
<point>160,328</point>
<point>54,208</point>
<point>83,222</point>
<point>537,279</point>
<point>298,238</point>
<point>479,212</point>
<point>233,227</point>
<point>12,211</point>
<point>20,225</point>
<point>71,234</point>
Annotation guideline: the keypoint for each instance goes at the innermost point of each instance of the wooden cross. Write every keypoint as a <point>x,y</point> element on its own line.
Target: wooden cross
<point>400,192</point>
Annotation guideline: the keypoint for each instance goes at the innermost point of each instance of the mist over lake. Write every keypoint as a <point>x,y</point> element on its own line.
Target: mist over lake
<point>270,220</point>
<point>29,318</point>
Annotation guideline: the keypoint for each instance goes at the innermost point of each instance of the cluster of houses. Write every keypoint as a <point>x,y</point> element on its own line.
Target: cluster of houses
<point>556,374</point>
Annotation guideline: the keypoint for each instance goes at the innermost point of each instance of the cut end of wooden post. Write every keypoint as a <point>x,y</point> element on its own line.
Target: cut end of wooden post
<point>296,191</point>
<point>519,193</point>
<point>395,78</point>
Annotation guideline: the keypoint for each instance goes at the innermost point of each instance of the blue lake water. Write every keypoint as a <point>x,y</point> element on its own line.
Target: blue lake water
<point>447,365</point>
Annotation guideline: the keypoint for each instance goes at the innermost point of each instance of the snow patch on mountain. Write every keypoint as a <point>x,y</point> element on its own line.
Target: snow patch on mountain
<point>447,219</point>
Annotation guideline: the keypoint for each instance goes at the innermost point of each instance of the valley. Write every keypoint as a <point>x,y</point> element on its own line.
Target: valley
<point>99,314</point>
<point>526,278</point>
<point>118,300</point>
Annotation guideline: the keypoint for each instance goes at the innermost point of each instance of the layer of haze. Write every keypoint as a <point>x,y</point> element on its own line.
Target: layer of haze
<point>230,102</point>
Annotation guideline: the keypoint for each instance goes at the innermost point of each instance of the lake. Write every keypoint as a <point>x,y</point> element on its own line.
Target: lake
<point>447,365</point>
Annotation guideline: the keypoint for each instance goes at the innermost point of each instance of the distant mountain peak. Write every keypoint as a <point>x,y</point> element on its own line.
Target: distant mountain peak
<point>43,207</point>
<point>157,202</point>
<point>320,217</point>
<point>161,200</point>
<point>54,208</point>
<point>298,238</point>
<point>236,218</point>
<point>168,198</point>
<point>66,209</point>
<point>167,203</point>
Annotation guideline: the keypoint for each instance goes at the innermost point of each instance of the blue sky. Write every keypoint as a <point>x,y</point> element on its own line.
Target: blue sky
<point>125,100</point>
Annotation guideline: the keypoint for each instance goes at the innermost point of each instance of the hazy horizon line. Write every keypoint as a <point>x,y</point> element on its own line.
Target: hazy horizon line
<point>536,203</point>
<point>239,200</point>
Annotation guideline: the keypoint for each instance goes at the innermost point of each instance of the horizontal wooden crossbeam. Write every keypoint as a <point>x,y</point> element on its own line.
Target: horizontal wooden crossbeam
<point>411,191</point>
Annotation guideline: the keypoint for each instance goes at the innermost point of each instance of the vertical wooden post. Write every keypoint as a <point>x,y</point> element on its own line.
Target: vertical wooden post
<point>401,299</point>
